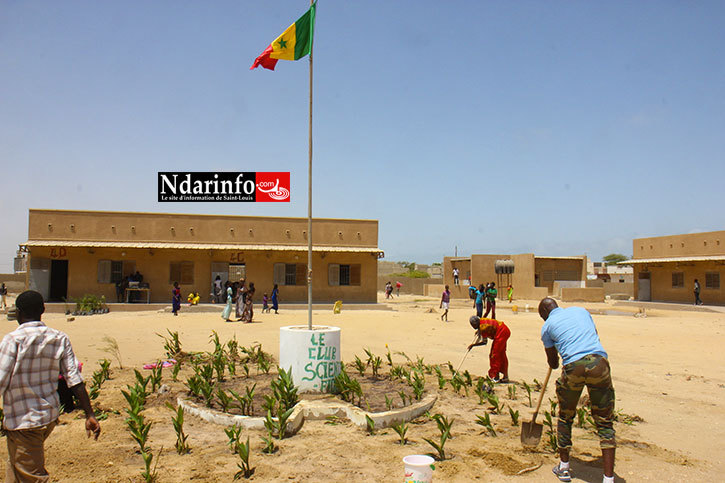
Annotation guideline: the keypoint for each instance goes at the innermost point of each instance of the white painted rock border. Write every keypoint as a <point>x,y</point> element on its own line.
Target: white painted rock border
<point>314,410</point>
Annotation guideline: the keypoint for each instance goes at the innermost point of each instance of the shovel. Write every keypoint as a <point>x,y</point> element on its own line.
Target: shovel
<point>531,432</point>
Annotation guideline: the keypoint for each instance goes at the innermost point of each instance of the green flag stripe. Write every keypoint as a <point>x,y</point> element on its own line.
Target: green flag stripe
<point>304,31</point>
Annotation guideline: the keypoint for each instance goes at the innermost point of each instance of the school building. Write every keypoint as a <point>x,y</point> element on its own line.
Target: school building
<point>533,277</point>
<point>72,253</point>
<point>665,267</point>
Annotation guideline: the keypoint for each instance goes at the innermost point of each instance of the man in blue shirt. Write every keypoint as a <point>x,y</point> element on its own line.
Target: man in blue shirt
<point>478,304</point>
<point>571,333</point>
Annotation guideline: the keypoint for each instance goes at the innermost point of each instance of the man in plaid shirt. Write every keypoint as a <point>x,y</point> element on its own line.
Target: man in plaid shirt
<point>31,358</point>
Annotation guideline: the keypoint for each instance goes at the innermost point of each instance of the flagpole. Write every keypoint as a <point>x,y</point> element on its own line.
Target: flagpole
<point>309,200</point>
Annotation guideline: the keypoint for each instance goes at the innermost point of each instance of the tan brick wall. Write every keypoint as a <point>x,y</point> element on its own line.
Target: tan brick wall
<point>593,294</point>
<point>119,226</point>
<point>695,244</point>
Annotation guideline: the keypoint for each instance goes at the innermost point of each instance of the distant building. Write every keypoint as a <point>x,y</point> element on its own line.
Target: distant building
<point>665,267</point>
<point>72,253</point>
<point>533,277</point>
<point>610,273</point>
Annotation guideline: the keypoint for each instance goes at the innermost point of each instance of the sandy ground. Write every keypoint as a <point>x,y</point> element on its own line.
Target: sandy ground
<point>667,369</point>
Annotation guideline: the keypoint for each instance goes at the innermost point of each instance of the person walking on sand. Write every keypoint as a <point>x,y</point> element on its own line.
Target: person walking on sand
<point>397,286</point>
<point>227,312</point>
<point>445,301</point>
<point>491,294</point>
<point>176,298</point>
<point>275,298</point>
<point>31,357</point>
<point>388,290</point>
<point>500,333</point>
<point>265,303</point>
<point>510,292</point>
<point>248,312</point>
<point>241,295</point>
<point>571,334</point>
<point>697,293</point>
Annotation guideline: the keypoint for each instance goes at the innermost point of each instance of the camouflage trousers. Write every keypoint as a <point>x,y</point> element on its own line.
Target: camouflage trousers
<point>591,371</point>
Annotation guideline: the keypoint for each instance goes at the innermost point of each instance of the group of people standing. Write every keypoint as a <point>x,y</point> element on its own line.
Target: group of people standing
<point>484,293</point>
<point>240,298</point>
<point>389,289</point>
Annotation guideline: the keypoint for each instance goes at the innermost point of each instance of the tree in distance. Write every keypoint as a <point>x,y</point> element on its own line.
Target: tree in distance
<point>614,258</point>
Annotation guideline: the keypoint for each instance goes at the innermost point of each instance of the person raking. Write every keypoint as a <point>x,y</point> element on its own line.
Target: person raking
<point>31,357</point>
<point>500,333</point>
<point>571,334</point>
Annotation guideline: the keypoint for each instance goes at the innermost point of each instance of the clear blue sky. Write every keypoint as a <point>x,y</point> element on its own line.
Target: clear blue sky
<point>558,128</point>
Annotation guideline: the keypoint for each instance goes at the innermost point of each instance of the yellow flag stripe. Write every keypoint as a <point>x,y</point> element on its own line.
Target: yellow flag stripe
<point>283,46</point>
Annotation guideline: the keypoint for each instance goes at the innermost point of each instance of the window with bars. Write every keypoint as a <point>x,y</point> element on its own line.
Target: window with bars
<point>342,274</point>
<point>290,273</point>
<point>182,272</point>
<point>712,280</point>
<point>113,271</point>
<point>678,279</point>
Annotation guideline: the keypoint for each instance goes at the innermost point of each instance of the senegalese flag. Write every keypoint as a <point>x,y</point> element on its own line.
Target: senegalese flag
<point>293,44</point>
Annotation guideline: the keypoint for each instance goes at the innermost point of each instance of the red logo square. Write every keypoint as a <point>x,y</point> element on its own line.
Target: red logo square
<point>273,187</point>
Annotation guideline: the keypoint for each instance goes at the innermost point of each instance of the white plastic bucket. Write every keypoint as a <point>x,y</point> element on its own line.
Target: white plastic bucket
<point>418,468</point>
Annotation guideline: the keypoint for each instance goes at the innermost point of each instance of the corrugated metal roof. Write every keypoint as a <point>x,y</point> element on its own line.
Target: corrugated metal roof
<point>707,258</point>
<point>193,246</point>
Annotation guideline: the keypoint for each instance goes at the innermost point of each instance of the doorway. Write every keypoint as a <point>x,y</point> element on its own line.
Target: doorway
<point>58,280</point>
<point>643,287</point>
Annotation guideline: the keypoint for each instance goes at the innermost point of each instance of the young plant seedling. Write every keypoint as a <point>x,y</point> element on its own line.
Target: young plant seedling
<point>418,385</point>
<point>284,390</point>
<point>528,393</point>
<point>439,445</point>
<point>224,400</point>
<point>233,434</point>
<point>360,366</point>
<point>370,355</point>
<point>181,446</point>
<point>172,345</point>
<point>401,429</point>
<point>443,424</point>
<point>370,425</point>
<point>403,397</point>
<point>148,474</point>
<point>175,371</point>
<point>512,391</point>
<point>496,405</point>
<point>468,381</point>
<point>388,403</point>
<point>245,470</point>
<point>269,446</point>
<point>485,421</point>
<point>156,375</point>
<point>514,417</point>
<point>375,365</point>
<point>105,369</point>
<point>551,442</point>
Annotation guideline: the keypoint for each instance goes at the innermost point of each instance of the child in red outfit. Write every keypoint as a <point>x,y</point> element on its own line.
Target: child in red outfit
<point>496,330</point>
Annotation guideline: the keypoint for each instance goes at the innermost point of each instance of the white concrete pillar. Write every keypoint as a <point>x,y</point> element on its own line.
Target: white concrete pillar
<point>312,355</point>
